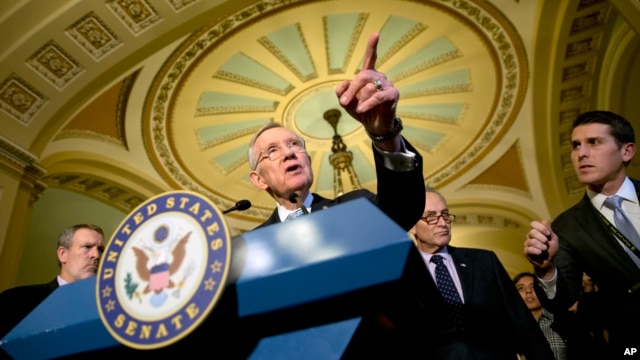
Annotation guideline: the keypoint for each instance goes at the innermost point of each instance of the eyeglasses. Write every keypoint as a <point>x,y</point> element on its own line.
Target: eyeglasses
<point>433,219</point>
<point>275,152</point>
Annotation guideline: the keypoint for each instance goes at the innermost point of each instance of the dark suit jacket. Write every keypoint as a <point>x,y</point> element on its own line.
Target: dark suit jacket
<point>18,302</point>
<point>497,324</point>
<point>400,194</point>
<point>586,245</point>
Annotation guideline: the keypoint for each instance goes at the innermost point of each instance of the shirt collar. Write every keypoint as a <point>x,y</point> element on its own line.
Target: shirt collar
<point>62,281</point>
<point>283,213</point>
<point>627,191</point>
<point>444,252</point>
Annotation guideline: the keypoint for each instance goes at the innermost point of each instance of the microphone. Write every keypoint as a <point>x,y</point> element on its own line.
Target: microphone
<point>293,198</point>
<point>240,205</point>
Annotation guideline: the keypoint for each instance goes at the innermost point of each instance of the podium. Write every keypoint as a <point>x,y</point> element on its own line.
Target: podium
<point>323,286</point>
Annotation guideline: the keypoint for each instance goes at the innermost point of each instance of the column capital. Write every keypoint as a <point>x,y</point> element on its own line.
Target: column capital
<point>23,166</point>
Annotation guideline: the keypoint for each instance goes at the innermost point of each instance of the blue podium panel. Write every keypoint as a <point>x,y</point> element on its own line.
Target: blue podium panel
<point>66,322</point>
<point>301,273</point>
<point>322,343</point>
<point>329,252</point>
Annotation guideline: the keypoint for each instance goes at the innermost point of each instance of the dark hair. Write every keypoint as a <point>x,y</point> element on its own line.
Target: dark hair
<point>619,127</point>
<point>521,275</point>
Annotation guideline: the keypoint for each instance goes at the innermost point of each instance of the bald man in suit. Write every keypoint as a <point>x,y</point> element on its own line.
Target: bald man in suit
<point>493,321</point>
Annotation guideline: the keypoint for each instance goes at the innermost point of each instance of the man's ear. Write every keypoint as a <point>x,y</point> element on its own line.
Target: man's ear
<point>62,254</point>
<point>628,151</point>
<point>412,231</point>
<point>257,180</point>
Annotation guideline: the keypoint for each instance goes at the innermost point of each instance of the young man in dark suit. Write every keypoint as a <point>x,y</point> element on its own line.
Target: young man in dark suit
<point>477,314</point>
<point>592,237</point>
<point>79,250</point>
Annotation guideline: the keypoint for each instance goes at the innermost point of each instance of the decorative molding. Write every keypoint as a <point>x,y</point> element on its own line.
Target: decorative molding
<point>583,46</point>
<point>487,220</point>
<point>55,64</point>
<point>121,110</point>
<point>93,35</point>
<point>137,15</point>
<point>514,77</point>
<point>23,166</point>
<point>588,21</point>
<point>584,4</point>
<point>578,70</point>
<point>157,109</point>
<point>96,188</point>
<point>225,170</point>
<point>402,42</point>
<point>504,46</point>
<point>276,51</point>
<point>355,36</point>
<point>224,138</point>
<point>20,100</point>
<point>576,93</point>
<point>439,60</point>
<point>87,134</point>
<point>179,5</point>
<point>17,155</point>
<point>235,109</point>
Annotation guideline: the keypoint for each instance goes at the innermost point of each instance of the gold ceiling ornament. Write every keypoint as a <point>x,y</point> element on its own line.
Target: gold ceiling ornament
<point>459,66</point>
<point>341,159</point>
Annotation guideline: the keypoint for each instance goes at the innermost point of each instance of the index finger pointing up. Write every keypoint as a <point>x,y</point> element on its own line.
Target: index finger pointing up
<point>371,55</point>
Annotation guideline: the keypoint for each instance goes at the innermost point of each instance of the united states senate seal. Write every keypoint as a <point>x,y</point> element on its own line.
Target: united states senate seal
<point>163,270</point>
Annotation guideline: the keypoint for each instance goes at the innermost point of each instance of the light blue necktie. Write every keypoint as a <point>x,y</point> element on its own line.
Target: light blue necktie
<point>448,289</point>
<point>295,214</point>
<point>623,224</point>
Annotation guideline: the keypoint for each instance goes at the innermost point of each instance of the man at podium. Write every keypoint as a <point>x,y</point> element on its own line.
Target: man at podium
<point>281,165</point>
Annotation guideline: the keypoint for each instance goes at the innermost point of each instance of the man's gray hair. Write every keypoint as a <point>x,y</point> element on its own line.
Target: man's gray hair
<point>253,155</point>
<point>430,189</point>
<point>64,239</point>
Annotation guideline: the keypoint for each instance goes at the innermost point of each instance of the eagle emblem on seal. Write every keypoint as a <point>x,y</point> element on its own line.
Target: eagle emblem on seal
<point>157,261</point>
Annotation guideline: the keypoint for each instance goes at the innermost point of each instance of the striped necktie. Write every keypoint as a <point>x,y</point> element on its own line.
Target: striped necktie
<point>623,224</point>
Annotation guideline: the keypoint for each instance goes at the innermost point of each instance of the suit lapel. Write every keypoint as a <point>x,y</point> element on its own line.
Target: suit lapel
<point>319,203</point>
<point>465,268</point>
<point>600,238</point>
<point>273,219</point>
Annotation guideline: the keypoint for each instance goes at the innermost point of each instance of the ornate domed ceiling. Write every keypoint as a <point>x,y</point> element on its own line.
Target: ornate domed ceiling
<point>460,71</point>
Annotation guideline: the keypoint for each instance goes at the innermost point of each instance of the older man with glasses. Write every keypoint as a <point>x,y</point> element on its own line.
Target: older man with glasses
<point>281,165</point>
<point>472,309</point>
